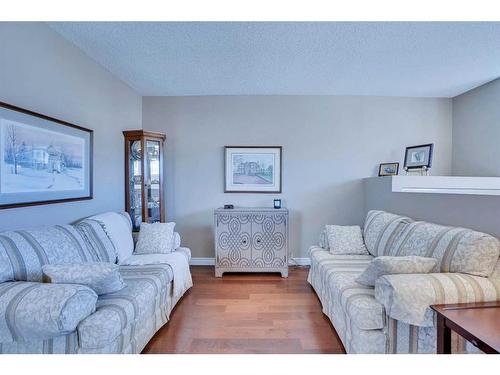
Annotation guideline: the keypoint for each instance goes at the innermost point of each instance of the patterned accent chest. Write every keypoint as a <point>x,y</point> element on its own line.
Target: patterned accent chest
<point>251,240</point>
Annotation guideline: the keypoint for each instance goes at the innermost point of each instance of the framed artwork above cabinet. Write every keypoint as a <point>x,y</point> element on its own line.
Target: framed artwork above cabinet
<point>144,180</point>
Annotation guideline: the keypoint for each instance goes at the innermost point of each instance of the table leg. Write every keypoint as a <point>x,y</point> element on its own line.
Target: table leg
<point>443,336</point>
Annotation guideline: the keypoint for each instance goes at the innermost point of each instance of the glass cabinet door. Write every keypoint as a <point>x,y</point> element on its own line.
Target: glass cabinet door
<point>152,180</point>
<point>135,182</point>
<point>144,176</point>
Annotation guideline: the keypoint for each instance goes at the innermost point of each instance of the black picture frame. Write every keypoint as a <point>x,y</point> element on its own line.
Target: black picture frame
<point>88,135</point>
<point>427,164</point>
<point>381,173</point>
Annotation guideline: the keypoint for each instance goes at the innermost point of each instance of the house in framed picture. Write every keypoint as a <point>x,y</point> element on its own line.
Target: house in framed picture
<point>43,160</point>
<point>252,169</point>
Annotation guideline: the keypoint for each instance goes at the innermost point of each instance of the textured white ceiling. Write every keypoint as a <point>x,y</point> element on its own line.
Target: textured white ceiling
<point>314,58</point>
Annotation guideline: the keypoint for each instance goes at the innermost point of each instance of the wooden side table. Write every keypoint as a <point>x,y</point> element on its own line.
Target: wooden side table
<point>478,323</point>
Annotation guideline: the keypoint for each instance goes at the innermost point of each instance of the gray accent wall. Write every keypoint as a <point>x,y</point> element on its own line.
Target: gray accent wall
<point>478,212</point>
<point>42,72</point>
<point>330,143</point>
<point>476,132</point>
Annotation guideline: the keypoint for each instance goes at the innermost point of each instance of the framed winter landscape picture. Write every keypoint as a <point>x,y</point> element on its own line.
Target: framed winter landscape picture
<point>252,169</point>
<point>43,160</point>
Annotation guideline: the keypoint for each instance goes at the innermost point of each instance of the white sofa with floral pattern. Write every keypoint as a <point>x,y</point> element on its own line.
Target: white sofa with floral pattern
<point>394,316</point>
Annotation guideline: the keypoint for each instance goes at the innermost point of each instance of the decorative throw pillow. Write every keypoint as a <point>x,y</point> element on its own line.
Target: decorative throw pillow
<point>118,227</point>
<point>345,240</point>
<point>323,240</point>
<point>101,277</point>
<point>156,238</point>
<point>177,240</point>
<point>387,265</point>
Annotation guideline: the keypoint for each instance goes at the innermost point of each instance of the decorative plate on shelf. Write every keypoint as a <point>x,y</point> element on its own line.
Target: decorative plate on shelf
<point>135,150</point>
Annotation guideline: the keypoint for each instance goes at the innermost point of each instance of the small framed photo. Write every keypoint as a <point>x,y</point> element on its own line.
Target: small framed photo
<point>418,156</point>
<point>388,169</point>
<point>252,169</point>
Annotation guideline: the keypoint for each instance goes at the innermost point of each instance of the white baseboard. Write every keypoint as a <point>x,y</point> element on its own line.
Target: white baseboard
<point>211,261</point>
<point>202,261</point>
<point>299,261</point>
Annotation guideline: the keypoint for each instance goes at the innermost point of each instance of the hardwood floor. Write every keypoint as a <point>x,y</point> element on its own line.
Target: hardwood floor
<point>247,313</point>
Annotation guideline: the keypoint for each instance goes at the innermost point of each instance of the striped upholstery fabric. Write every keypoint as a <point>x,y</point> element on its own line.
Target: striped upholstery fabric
<point>350,306</point>
<point>407,297</point>
<point>66,344</point>
<point>403,338</point>
<point>382,230</point>
<point>145,297</point>
<point>124,321</point>
<point>31,311</point>
<point>456,249</point>
<point>98,242</point>
<point>28,250</point>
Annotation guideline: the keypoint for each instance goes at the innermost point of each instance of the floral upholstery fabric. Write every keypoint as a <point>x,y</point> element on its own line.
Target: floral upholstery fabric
<point>323,240</point>
<point>97,240</point>
<point>407,297</point>
<point>343,239</point>
<point>385,265</point>
<point>381,230</point>
<point>144,297</point>
<point>123,321</point>
<point>101,277</point>
<point>351,307</point>
<point>456,249</point>
<point>118,227</point>
<point>404,338</point>
<point>28,250</point>
<point>156,238</point>
<point>39,311</point>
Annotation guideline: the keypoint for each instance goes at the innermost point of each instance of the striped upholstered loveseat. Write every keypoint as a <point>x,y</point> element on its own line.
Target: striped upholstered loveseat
<point>394,316</point>
<point>38,317</point>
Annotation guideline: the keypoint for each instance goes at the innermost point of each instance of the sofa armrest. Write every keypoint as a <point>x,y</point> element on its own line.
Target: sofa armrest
<point>408,297</point>
<point>31,310</point>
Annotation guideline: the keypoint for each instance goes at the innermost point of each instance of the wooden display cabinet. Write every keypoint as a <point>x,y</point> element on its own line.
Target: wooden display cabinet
<point>144,189</point>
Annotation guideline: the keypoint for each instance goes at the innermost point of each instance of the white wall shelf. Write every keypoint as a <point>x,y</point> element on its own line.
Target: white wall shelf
<point>446,185</point>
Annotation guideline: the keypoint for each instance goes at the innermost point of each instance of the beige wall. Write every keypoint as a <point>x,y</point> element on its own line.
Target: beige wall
<point>329,144</point>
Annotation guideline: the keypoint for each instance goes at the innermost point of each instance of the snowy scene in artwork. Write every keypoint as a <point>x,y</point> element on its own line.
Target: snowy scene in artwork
<point>37,160</point>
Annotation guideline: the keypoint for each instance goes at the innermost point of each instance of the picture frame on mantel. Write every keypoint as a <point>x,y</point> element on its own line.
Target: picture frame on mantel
<point>252,169</point>
<point>419,157</point>
<point>388,169</point>
<point>43,160</point>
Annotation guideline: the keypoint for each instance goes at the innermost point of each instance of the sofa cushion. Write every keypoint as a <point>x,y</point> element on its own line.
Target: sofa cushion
<point>345,239</point>
<point>101,277</point>
<point>28,250</point>
<point>456,249</point>
<point>118,227</point>
<point>31,311</point>
<point>338,286</point>
<point>381,230</point>
<point>385,265</point>
<point>145,292</point>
